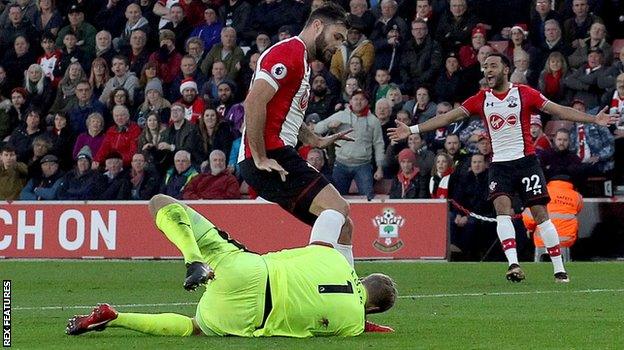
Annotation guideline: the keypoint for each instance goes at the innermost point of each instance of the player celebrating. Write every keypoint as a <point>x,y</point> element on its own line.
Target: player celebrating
<point>506,111</point>
<point>303,292</point>
<point>274,110</point>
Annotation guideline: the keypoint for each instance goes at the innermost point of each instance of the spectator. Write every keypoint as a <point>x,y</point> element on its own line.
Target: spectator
<point>596,40</point>
<point>39,88</point>
<point>448,83</point>
<point>179,25</point>
<point>408,183</point>
<point>540,140</point>
<point>521,73</point>
<point>552,43</point>
<point>424,11</point>
<point>386,22</point>
<point>356,45</point>
<point>181,135</point>
<point>167,58</point>
<point>84,32</point>
<point>593,144</point>
<point>66,93</point>
<point>353,159</point>
<point>472,75</point>
<point>22,137</point>
<point>421,58</point>
<point>100,74</point>
<point>151,134</point>
<point>46,185</point>
<point>144,180</point>
<point>195,49</point>
<point>193,104</point>
<point>116,182</point>
<point>40,147</point>
<point>154,103</point>
<point>560,160</point>
<point>70,53</point>
<point>358,11</point>
<point>210,89</point>
<point>104,46</point>
<point>18,110</point>
<point>226,51</point>
<point>470,235</point>
<point>216,133</point>
<point>93,137</point>
<point>453,147</point>
<point>583,83</point>
<point>218,183</point>
<point>455,26</point>
<point>543,12</point>
<point>421,108</point>
<point>122,78</point>
<point>552,76</point>
<point>225,98</point>
<point>382,84</point>
<point>110,16</point>
<point>395,97</point>
<point>162,8</point>
<point>13,174</point>
<point>263,42</point>
<point>63,139</point>
<point>81,183</point>
<point>179,176</point>
<point>470,136</point>
<point>617,108</point>
<point>120,97</point>
<point>188,71</point>
<point>468,53</point>
<point>484,146</point>
<point>84,105</point>
<point>566,204</point>
<point>322,101</point>
<point>436,139</point>
<point>439,182</point>
<point>134,21</point>
<point>48,19</point>
<point>273,15</point>
<point>609,78</point>
<point>4,84</point>
<point>316,158</point>
<point>50,57</point>
<point>388,51</point>
<point>383,112</point>
<point>17,25</point>
<point>17,60</point>
<point>122,137</point>
<point>137,53</point>
<point>356,70</point>
<point>235,14</point>
<point>210,30</point>
<point>576,29</point>
<point>518,41</point>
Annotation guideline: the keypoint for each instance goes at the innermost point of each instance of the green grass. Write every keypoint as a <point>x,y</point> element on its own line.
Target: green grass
<point>536,314</point>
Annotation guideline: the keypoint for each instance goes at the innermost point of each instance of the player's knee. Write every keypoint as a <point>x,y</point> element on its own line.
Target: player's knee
<point>540,214</point>
<point>343,207</point>
<point>158,201</point>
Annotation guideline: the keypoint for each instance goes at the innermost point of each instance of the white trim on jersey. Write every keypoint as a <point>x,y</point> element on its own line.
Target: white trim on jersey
<point>262,74</point>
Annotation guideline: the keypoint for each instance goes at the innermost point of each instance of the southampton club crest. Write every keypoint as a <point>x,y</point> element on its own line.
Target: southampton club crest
<point>388,224</point>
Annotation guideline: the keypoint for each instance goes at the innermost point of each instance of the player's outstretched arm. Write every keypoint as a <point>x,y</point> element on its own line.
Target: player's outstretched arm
<point>307,137</point>
<point>402,131</point>
<point>568,113</point>
<point>255,121</point>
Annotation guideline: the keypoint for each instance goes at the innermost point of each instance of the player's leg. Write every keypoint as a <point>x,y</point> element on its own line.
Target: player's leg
<point>104,316</point>
<point>507,236</point>
<point>173,220</point>
<point>549,235</point>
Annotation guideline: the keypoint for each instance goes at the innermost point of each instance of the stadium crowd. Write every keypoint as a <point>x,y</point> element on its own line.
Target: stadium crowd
<point>119,99</point>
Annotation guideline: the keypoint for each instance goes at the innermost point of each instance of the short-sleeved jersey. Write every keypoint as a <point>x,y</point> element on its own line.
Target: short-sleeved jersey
<point>315,292</point>
<point>285,67</point>
<point>507,118</point>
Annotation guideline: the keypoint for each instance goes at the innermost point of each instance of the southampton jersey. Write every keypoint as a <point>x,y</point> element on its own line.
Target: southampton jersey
<point>507,118</point>
<point>284,66</point>
<point>315,292</point>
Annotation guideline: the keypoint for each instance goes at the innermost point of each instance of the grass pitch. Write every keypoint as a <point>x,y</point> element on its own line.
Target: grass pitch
<point>442,306</point>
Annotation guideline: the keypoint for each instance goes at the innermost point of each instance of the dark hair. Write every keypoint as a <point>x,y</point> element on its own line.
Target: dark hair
<point>8,148</point>
<point>329,12</point>
<point>503,58</point>
<point>122,58</point>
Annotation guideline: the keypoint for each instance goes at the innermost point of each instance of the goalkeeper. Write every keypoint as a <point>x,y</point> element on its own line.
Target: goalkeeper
<point>302,292</point>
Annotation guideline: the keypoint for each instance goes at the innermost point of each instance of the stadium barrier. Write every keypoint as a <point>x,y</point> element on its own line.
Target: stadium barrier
<point>125,230</point>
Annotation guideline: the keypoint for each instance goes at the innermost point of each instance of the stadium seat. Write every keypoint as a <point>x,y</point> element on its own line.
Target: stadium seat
<point>553,125</point>
<point>383,186</point>
<point>618,44</point>
<point>499,46</point>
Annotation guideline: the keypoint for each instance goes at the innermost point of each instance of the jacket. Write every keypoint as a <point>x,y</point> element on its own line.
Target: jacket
<point>420,64</point>
<point>42,188</point>
<point>12,180</point>
<point>84,186</point>
<point>340,60</point>
<point>207,186</point>
<point>174,182</point>
<point>121,139</point>
<point>236,56</point>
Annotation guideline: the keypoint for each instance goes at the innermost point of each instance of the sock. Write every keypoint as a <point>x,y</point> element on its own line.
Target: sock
<point>551,242</point>
<point>327,227</point>
<point>175,223</point>
<point>507,235</point>
<point>347,251</point>
<point>155,324</point>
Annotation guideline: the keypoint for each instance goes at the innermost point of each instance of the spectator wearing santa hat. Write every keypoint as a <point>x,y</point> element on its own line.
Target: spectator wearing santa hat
<point>468,53</point>
<point>193,104</point>
<point>188,70</point>
<point>409,183</point>
<point>518,41</point>
<point>540,140</point>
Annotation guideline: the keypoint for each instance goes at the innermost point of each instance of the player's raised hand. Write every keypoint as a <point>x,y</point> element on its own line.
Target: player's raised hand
<point>402,131</point>
<point>605,119</point>
<point>268,164</point>
<point>330,139</point>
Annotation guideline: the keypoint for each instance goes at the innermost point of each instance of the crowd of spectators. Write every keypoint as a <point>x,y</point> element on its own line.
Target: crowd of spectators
<point>120,99</point>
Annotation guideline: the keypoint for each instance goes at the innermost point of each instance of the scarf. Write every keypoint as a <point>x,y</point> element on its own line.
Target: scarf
<point>442,190</point>
<point>136,178</point>
<point>406,179</point>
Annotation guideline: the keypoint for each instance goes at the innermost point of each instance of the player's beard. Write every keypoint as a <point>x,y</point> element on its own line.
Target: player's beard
<point>321,50</point>
<point>499,81</point>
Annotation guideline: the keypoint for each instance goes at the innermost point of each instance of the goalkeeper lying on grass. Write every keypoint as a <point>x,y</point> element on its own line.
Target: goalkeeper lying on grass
<point>302,292</point>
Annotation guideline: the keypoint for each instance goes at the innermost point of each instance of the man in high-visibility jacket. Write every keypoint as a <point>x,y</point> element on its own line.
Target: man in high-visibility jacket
<point>563,208</point>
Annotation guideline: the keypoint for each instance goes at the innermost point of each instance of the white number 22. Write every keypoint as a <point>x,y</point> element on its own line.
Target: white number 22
<point>532,187</point>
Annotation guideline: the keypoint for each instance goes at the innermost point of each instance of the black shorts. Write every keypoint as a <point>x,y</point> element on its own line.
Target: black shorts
<point>295,194</point>
<point>523,176</point>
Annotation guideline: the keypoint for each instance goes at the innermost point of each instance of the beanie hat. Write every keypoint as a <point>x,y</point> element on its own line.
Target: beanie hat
<point>154,84</point>
<point>85,153</point>
<point>536,119</point>
<point>166,34</point>
<point>188,83</point>
<point>478,30</point>
<point>407,154</point>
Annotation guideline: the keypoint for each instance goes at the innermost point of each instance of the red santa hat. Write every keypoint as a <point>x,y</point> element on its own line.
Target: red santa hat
<point>188,83</point>
<point>522,27</point>
<point>407,154</point>
<point>536,119</point>
<point>478,30</point>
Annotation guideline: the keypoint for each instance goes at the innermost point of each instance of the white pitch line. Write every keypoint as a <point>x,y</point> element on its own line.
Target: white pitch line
<point>416,296</point>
